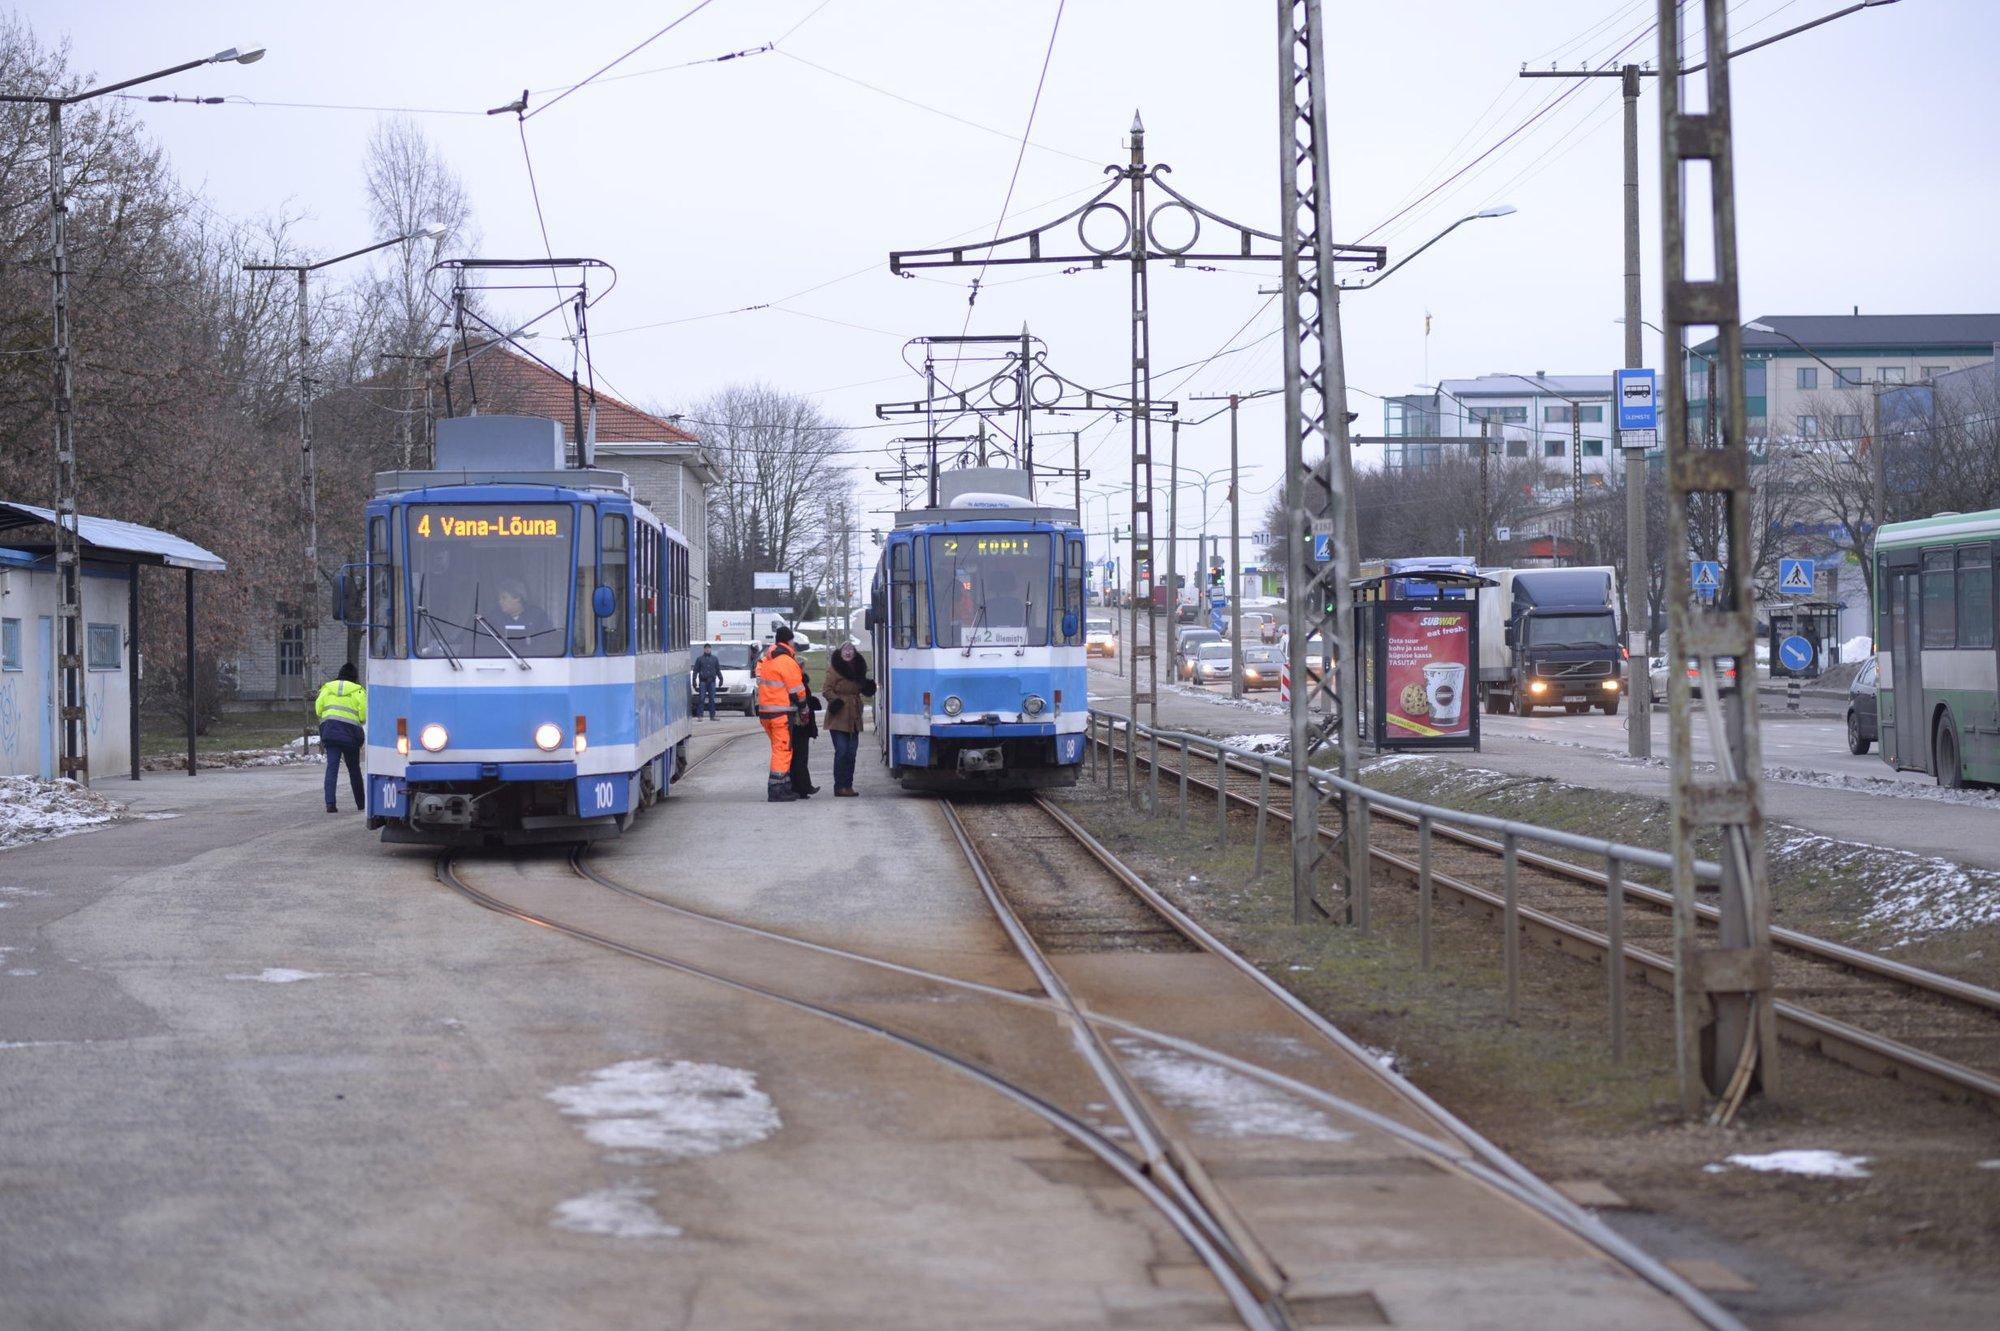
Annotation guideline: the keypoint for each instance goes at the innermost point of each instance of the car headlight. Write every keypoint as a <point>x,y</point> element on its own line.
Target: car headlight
<point>433,738</point>
<point>1538,687</point>
<point>1611,686</point>
<point>1033,704</point>
<point>547,736</point>
<point>953,705</point>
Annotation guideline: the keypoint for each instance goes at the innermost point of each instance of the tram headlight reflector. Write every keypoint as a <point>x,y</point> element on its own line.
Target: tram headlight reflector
<point>433,738</point>
<point>582,740</point>
<point>547,736</point>
<point>403,736</point>
<point>953,705</point>
<point>1033,704</point>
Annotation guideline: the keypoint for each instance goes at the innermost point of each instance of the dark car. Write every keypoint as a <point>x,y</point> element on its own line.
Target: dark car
<point>1862,726</point>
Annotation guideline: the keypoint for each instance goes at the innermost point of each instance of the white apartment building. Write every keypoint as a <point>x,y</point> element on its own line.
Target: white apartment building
<point>1529,415</point>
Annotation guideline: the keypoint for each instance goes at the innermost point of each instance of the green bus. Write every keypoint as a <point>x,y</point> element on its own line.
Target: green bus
<point>1937,699</point>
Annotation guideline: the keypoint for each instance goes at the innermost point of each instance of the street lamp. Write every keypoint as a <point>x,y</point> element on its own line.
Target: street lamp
<point>308,471</point>
<point>1234,400</point>
<point>1498,210</point>
<point>74,759</point>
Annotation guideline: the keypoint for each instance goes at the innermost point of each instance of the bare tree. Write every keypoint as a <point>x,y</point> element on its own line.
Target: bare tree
<point>784,470</point>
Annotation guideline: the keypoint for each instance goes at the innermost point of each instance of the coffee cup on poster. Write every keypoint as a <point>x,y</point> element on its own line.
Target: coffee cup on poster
<point>1444,688</point>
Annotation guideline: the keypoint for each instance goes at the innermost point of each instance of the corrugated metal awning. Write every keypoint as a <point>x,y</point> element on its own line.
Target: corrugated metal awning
<point>108,536</point>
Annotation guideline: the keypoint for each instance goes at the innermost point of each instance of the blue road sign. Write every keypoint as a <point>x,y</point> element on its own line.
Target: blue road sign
<point>1796,653</point>
<point>1217,619</point>
<point>1638,399</point>
<point>1322,549</point>
<point>1707,577</point>
<point>1795,577</point>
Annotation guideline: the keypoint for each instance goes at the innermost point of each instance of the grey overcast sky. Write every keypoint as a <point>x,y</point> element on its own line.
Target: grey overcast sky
<point>1866,172</point>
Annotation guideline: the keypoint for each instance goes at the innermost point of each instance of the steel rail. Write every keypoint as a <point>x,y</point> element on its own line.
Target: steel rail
<point>1861,1050</point>
<point>1167,1158</point>
<point>1248,1309</point>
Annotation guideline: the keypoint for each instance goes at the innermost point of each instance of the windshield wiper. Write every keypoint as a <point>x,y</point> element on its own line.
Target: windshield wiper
<point>479,620</point>
<point>972,632</point>
<point>425,617</point>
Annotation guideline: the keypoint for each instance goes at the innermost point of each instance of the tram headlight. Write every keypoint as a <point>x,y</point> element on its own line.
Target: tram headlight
<point>953,705</point>
<point>547,736</point>
<point>433,738</point>
<point>1033,704</point>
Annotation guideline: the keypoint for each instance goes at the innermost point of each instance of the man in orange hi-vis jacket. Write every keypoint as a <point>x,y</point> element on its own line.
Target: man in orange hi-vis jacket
<point>781,688</point>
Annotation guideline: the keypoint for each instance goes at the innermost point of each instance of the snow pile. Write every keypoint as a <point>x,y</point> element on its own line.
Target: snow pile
<point>1260,743</point>
<point>1224,1103</point>
<point>670,1111</point>
<point>1811,1163</point>
<point>1246,702</point>
<point>1857,649</point>
<point>621,1212</point>
<point>32,809</point>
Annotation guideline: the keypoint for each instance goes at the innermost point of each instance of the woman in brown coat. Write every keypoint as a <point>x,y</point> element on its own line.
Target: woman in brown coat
<point>844,686</point>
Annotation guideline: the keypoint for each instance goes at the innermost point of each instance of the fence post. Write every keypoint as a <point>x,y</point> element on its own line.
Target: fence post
<point>1090,744</point>
<point>1510,926</point>
<point>1153,777</point>
<point>1424,891</point>
<point>1263,807</point>
<point>1183,747</point>
<point>1614,955</point>
<point>1221,796</point>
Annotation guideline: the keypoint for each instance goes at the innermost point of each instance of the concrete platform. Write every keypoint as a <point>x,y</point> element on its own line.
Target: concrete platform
<point>266,1070</point>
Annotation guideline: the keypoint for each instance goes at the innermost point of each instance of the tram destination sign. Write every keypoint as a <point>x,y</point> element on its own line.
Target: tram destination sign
<point>464,522</point>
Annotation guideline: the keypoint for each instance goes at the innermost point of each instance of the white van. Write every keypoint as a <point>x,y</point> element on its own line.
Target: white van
<point>738,690</point>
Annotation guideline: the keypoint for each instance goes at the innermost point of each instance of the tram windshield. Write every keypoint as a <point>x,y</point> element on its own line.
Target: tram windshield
<point>992,588</point>
<point>489,580</point>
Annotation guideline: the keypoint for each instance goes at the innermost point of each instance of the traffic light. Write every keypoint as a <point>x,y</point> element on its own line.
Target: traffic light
<point>1215,575</point>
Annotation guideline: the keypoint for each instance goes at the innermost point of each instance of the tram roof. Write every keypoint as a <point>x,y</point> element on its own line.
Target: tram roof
<point>1939,527</point>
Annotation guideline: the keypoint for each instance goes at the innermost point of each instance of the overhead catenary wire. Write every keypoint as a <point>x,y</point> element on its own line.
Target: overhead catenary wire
<point>618,60</point>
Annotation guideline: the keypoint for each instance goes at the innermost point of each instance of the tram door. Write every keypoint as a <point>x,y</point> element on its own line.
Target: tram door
<point>1906,657</point>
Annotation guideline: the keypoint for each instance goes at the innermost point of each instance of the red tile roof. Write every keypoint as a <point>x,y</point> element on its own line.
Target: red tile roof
<point>504,380</point>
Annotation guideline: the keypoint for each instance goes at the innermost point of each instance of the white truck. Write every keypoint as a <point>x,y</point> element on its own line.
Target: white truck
<point>1551,637</point>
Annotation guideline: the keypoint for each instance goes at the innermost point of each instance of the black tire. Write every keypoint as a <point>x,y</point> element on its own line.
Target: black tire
<point>1522,707</point>
<point>1496,702</point>
<point>1610,708</point>
<point>1944,753</point>
<point>1857,743</point>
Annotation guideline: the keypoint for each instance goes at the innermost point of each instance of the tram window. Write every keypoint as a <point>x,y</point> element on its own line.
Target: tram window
<point>617,576</point>
<point>1882,576</point>
<point>382,621</point>
<point>1975,598</point>
<point>1940,613</point>
<point>583,635</point>
<point>993,588</point>
<point>906,593</point>
<point>1073,591</point>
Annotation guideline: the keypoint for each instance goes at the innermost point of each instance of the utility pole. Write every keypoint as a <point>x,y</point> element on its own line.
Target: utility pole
<point>71,696</point>
<point>1320,597</point>
<point>1638,684</point>
<point>1725,1026</point>
<point>1235,401</point>
<point>1063,242</point>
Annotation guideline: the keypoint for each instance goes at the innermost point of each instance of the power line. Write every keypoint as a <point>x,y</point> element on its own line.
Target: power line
<point>607,68</point>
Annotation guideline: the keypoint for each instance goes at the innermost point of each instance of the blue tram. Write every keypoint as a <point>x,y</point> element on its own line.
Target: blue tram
<point>977,611</point>
<point>527,627</point>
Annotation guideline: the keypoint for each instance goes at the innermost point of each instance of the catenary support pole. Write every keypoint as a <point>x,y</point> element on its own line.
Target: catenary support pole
<point>72,722</point>
<point>1235,558</point>
<point>1638,681</point>
<point>132,662</point>
<point>189,672</point>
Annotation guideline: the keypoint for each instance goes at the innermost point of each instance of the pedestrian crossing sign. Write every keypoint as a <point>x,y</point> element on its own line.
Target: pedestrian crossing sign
<point>1795,577</point>
<point>1707,577</point>
<point>1323,549</point>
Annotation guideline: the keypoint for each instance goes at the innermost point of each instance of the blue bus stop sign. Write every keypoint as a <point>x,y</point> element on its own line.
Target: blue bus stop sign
<point>1796,653</point>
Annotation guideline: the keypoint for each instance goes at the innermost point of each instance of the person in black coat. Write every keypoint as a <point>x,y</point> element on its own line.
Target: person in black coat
<point>805,729</point>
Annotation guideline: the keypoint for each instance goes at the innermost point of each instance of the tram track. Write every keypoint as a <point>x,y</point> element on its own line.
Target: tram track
<point>1167,1175</point>
<point>1870,1013</point>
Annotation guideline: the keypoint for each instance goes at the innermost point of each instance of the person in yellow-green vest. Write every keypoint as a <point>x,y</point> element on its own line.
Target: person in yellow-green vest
<point>342,709</point>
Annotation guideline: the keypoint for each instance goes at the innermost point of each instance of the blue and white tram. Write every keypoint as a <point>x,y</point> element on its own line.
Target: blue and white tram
<point>978,618</point>
<point>528,631</point>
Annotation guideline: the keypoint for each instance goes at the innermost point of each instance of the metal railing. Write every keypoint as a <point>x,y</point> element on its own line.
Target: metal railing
<point>1104,728</point>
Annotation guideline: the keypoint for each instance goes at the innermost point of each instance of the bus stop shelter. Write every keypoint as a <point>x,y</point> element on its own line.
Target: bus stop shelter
<point>108,543</point>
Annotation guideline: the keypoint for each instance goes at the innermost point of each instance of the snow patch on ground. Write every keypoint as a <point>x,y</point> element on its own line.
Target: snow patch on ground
<point>1919,897</point>
<point>32,809</point>
<point>280,975</point>
<point>1811,1163</point>
<point>621,1212</point>
<point>1386,1057</point>
<point>1260,743</point>
<point>670,1111</point>
<point>1248,704</point>
<point>1225,1103</point>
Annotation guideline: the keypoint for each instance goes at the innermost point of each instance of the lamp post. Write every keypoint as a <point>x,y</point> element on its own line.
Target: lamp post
<point>1235,400</point>
<point>308,471</point>
<point>72,726</point>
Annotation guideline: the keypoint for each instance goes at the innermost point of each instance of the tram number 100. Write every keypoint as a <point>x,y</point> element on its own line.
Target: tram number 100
<point>604,794</point>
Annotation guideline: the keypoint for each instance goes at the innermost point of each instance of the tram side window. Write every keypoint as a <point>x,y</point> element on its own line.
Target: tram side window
<point>583,634</point>
<point>1073,592</point>
<point>921,620</point>
<point>684,610</point>
<point>1882,626</point>
<point>1940,614</point>
<point>382,618</point>
<point>618,577</point>
<point>905,591</point>
<point>1975,598</point>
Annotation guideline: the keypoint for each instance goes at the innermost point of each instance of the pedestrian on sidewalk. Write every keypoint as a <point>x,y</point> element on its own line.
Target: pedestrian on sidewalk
<point>845,685</point>
<point>342,709</point>
<point>781,690</point>
<point>707,675</point>
<point>805,729</point>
